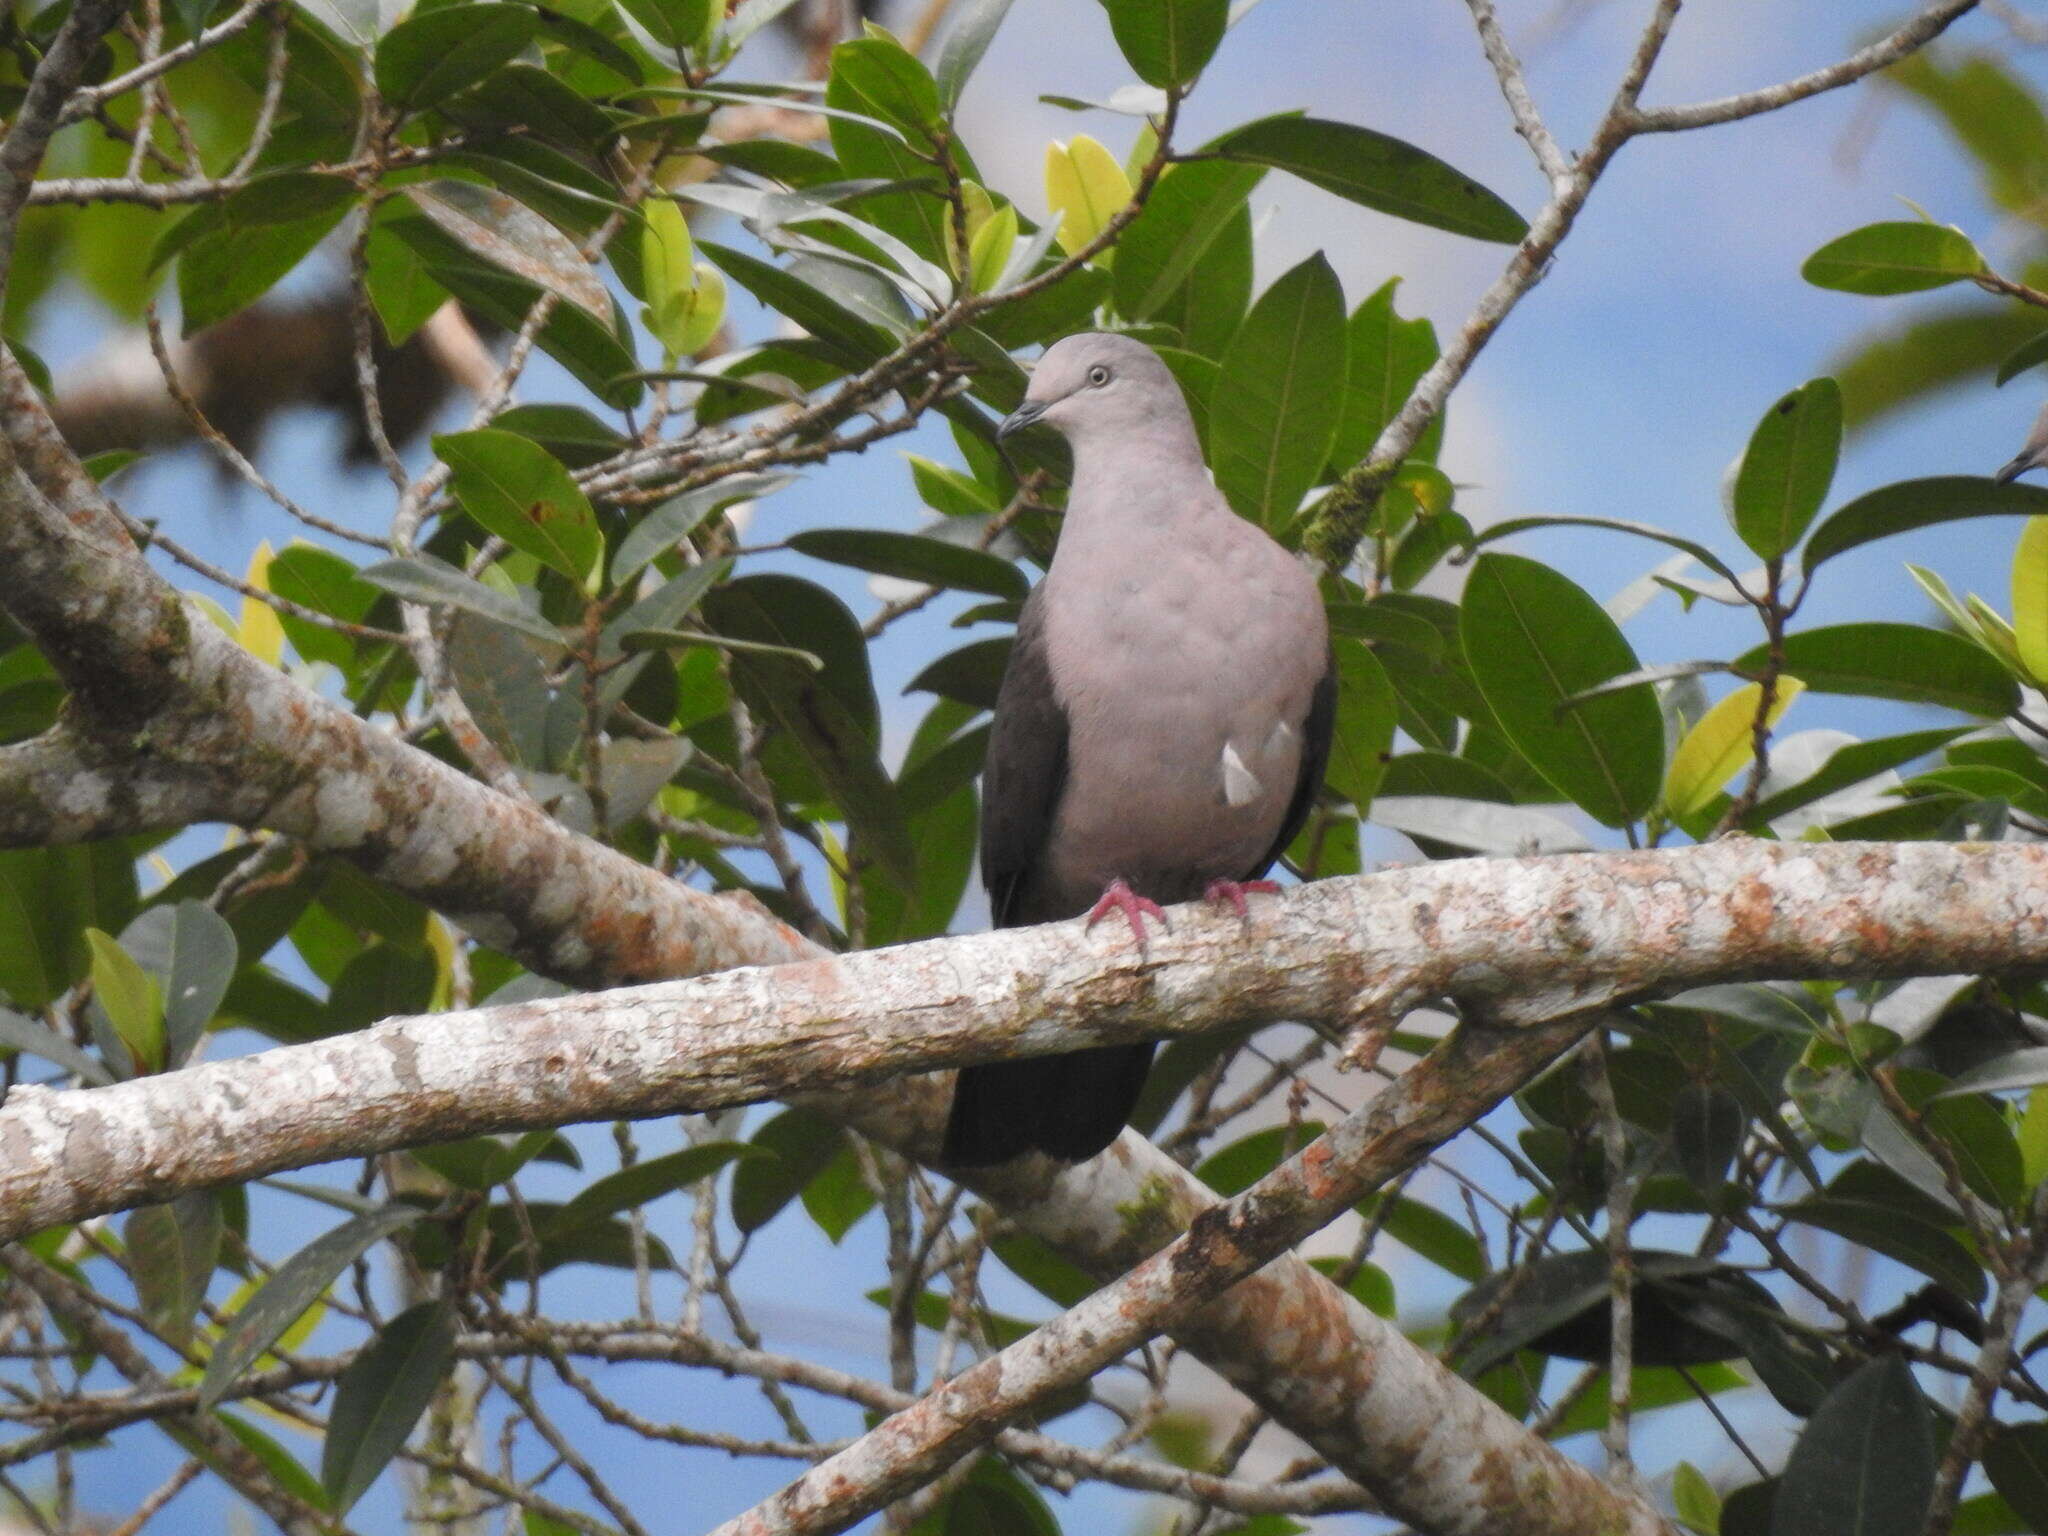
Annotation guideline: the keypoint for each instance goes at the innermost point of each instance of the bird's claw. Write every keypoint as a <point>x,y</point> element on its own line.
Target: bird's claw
<point>1119,897</point>
<point>1235,891</point>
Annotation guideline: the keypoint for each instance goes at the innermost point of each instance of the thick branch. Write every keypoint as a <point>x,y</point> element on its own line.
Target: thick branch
<point>1513,938</point>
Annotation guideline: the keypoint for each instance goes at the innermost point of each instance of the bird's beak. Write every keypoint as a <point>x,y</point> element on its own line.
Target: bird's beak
<point>1021,417</point>
<point>2005,476</point>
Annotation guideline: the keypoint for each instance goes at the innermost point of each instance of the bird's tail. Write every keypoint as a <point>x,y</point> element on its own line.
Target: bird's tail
<point>1069,1107</point>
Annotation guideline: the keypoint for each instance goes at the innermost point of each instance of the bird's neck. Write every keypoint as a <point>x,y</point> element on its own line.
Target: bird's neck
<point>1153,486</point>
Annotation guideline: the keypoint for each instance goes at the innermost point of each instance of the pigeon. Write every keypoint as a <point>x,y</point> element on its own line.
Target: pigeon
<point>1161,729</point>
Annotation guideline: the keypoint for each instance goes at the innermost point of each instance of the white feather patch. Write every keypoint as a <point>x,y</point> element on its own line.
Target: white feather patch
<point>1240,785</point>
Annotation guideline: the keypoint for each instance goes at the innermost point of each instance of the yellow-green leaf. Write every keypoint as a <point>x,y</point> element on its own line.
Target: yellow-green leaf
<point>1720,745</point>
<point>131,999</point>
<point>706,312</point>
<point>2033,1136</point>
<point>989,247</point>
<point>261,634</point>
<point>1084,186</point>
<point>1693,1497</point>
<point>2030,598</point>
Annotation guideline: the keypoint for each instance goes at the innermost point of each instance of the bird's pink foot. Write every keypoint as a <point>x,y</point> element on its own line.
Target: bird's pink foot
<point>1119,897</point>
<point>1235,891</point>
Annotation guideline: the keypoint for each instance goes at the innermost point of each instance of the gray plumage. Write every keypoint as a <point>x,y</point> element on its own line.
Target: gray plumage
<point>2032,455</point>
<point>1164,721</point>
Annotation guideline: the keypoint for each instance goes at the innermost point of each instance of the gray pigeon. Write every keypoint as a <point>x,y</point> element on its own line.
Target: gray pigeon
<point>1162,727</point>
<point>2033,453</point>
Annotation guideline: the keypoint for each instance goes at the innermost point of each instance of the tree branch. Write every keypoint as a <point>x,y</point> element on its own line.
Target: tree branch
<point>1473,1069</point>
<point>1339,521</point>
<point>21,153</point>
<point>1516,939</point>
<point>1886,51</point>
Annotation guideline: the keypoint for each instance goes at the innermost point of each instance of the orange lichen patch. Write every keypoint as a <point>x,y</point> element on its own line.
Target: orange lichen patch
<point>1752,909</point>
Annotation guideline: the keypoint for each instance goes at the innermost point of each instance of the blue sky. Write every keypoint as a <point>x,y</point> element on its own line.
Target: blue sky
<point>1622,387</point>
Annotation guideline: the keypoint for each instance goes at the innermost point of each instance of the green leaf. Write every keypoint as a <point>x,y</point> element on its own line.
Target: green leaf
<point>481,1162</point>
<point>234,252</point>
<point>643,1183</point>
<point>1911,504</point>
<point>1166,42</point>
<point>1189,207</point>
<point>1387,356</point>
<point>1532,640</point>
<point>190,951</point>
<point>974,28</point>
<point>130,998</point>
<point>569,432</point>
<point>598,355</point>
<point>912,557</point>
<point>508,237</point>
<point>675,519</point>
<point>992,1501</point>
<point>504,685</point>
<point>325,582</point>
<point>517,490</point>
<point>1237,1167</point>
<point>830,714</point>
<point>1896,661</point>
<point>172,1250</point>
<point>839,1196</point>
<point>675,24</point>
<point>276,1460</point>
<point>1899,1235</point>
<point>1852,764</point>
<point>430,56</point>
<point>879,77</point>
<point>1375,171</point>
<point>1983,1146</point>
<point>855,340</point>
<point>799,1144</point>
<point>1367,712</point>
<point>1273,414</point>
<point>1693,1497</point>
<point>381,1396</point>
<point>972,674</point>
<point>1864,1466</point>
<point>1902,257</point>
<point>1428,1233</point>
<point>2030,354</point>
<point>1046,1270</point>
<point>423,579</point>
<point>1790,464</point>
<point>2016,1460</point>
<point>294,1286</point>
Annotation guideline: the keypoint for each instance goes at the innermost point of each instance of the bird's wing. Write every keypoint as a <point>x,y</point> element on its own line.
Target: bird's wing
<point>1025,770</point>
<point>1316,732</point>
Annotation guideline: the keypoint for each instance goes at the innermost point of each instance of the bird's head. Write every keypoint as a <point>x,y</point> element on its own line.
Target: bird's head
<point>1099,385</point>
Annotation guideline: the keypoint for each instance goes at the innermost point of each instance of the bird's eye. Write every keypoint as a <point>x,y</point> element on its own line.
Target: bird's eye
<point>1098,375</point>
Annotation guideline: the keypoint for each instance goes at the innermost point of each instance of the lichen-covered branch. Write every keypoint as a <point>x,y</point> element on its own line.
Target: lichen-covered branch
<point>1509,939</point>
